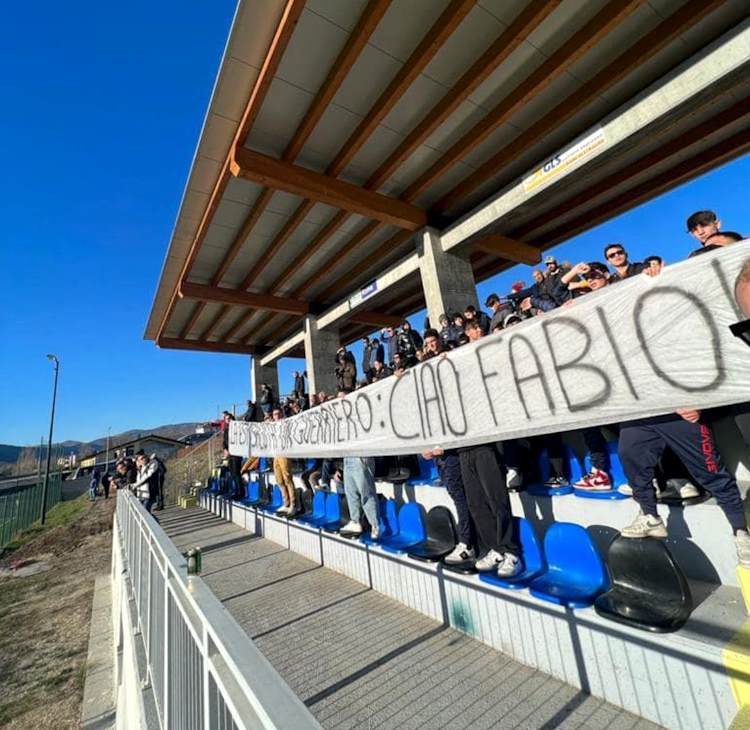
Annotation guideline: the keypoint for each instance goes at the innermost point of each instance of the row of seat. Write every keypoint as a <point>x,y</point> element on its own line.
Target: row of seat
<point>639,584</point>
<point>574,470</point>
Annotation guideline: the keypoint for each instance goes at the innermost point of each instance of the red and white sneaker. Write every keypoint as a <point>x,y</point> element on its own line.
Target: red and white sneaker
<point>595,481</point>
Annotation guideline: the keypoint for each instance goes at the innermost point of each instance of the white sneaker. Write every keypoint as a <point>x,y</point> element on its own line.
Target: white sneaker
<point>489,561</point>
<point>282,511</point>
<point>352,527</point>
<point>645,526</point>
<point>625,489</point>
<point>461,553</point>
<point>510,566</point>
<point>514,478</point>
<point>685,489</point>
<point>742,543</point>
<point>374,533</point>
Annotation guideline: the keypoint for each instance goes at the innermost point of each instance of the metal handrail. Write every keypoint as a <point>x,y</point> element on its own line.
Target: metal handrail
<point>205,671</point>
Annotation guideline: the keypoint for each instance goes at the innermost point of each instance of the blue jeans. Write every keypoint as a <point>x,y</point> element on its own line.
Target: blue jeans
<point>359,487</point>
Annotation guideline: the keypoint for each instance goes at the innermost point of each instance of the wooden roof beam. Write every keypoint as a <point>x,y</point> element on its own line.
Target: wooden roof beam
<point>222,295</point>
<point>280,175</point>
<point>508,248</point>
<point>375,319</point>
<point>175,343</point>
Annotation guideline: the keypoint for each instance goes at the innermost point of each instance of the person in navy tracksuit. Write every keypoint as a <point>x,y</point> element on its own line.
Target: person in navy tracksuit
<point>642,443</point>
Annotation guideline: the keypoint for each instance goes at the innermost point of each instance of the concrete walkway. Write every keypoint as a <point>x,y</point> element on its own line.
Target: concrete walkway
<point>361,660</point>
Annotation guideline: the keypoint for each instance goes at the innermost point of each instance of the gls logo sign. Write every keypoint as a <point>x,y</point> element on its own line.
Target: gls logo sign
<point>551,164</point>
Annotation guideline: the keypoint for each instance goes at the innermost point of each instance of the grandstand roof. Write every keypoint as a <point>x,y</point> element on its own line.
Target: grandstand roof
<point>337,130</point>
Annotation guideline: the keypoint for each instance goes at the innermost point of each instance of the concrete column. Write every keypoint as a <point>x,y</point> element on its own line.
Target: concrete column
<point>268,374</point>
<point>447,279</point>
<point>320,357</point>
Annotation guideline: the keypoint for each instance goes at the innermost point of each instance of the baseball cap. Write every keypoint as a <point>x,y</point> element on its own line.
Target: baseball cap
<point>491,299</point>
<point>550,260</point>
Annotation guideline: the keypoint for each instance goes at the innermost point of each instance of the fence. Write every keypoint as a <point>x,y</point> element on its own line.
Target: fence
<point>21,506</point>
<point>202,668</point>
<point>190,466</point>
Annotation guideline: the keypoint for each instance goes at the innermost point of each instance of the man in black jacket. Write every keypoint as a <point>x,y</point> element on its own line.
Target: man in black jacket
<point>367,358</point>
<point>409,341</point>
<point>299,384</point>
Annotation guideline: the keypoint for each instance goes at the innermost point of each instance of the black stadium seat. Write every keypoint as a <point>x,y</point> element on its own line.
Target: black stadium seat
<point>440,539</point>
<point>649,591</point>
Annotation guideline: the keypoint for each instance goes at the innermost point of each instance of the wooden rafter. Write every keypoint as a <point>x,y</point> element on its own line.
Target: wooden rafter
<point>174,343</point>
<point>307,183</point>
<point>222,295</point>
<point>375,319</point>
<point>639,53</point>
<point>571,51</point>
<point>508,248</point>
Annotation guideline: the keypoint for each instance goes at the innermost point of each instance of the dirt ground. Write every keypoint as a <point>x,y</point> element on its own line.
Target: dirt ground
<point>44,618</point>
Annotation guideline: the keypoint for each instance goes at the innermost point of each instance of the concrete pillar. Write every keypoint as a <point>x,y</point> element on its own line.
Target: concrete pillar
<point>320,357</point>
<point>268,374</point>
<point>447,279</point>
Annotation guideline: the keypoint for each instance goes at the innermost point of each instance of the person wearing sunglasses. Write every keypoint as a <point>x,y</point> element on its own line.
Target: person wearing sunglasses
<point>617,258</point>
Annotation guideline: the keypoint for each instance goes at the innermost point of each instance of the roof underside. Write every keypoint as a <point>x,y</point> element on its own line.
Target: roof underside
<point>441,105</point>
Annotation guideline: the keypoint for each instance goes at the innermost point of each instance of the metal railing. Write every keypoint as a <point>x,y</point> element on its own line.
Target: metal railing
<point>204,670</point>
<point>21,506</point>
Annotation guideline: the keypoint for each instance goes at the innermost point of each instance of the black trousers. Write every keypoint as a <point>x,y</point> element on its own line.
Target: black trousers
<point>449,466</point>
<point>597,448</point>
<point>487,495</point>
<point>642,444</point>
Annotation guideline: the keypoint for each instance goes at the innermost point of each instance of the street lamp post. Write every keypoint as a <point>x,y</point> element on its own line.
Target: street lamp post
<point>49,440</point>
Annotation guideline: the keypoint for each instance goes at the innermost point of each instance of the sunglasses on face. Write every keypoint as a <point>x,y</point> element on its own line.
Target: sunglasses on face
<point>612,254</point>
<point>742,330</point>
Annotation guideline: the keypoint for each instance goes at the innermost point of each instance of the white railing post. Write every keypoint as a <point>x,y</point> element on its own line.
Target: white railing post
<point>165,681</point>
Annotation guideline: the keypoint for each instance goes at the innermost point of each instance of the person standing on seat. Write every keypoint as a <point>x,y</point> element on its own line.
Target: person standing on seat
<point>361,496</point>
<point>484,476</point>
<point>283,475</point>
<point>449,468</point>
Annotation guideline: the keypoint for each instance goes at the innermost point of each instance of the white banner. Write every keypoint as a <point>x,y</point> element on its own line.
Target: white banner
<point>643,347</point>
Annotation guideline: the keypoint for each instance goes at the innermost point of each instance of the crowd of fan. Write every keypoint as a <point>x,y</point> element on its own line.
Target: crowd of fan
<point>143,475</point>
<point>477,478</point>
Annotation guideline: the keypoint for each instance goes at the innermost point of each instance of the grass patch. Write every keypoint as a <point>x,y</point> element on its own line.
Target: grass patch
<point>62,514</point>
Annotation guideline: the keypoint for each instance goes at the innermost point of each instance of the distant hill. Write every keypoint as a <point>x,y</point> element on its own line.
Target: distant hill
<point>24,457</point>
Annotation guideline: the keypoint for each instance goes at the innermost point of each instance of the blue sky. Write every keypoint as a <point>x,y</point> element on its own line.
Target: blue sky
<point>101,110</point>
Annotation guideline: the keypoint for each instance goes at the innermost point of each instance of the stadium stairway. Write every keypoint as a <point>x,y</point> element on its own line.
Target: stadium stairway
<point>697,677</point>
<point>358,658</point>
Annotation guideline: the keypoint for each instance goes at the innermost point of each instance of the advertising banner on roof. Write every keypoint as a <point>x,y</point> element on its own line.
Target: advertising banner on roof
<point>642,347</point>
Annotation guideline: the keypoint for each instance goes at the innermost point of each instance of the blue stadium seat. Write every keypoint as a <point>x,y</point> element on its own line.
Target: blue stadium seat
<point>263,464</point>
<point>411,530</point>
<point>428,472</point>
<point>533,558</point>
<point>575,573</point>
<point>332,519</point>
<point>318,514</point>
<point>309,464</point>
<point>441,537</point>
<point>388,514</point>
<point>277,501</point>
<point>253,495</point>
<point>649,591</point>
